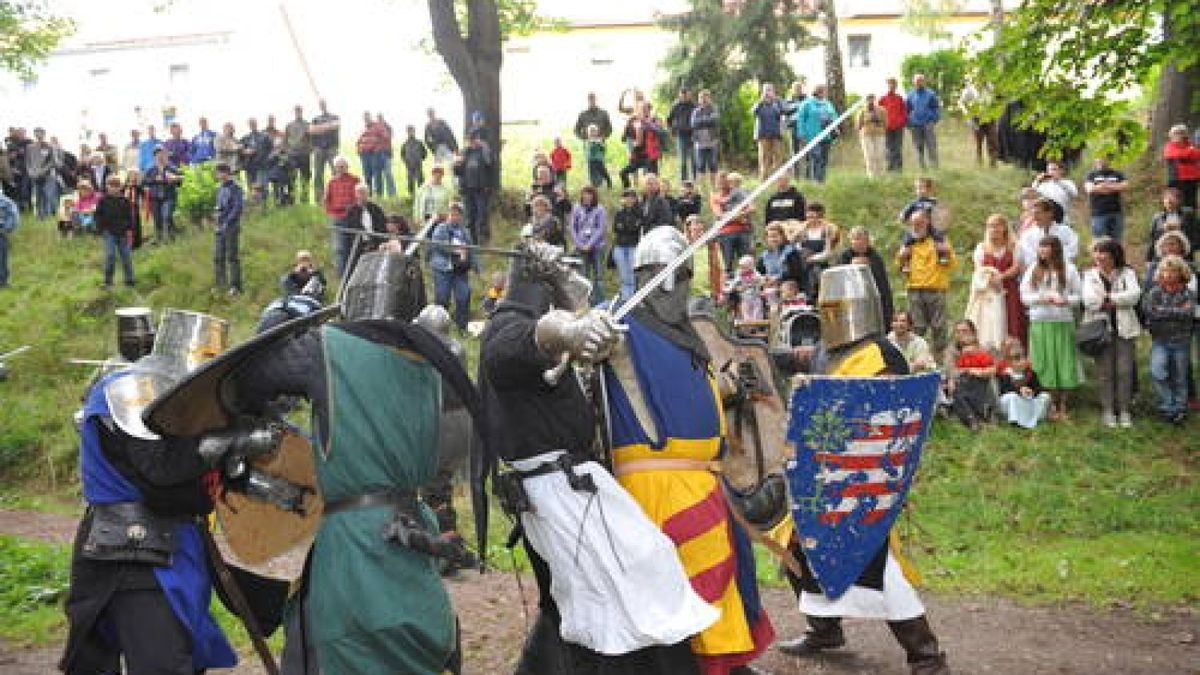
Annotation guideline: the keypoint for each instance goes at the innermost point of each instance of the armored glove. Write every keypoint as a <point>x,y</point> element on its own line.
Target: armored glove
<point>244,443</point>
<point>587,339</point>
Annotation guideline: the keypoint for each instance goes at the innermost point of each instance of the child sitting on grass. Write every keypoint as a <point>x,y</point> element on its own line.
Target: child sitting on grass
<point>1022,401</point>
<point>969,382</point>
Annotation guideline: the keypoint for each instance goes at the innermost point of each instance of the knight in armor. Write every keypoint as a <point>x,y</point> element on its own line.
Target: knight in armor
<point>665,410</point>
<point>373,601</point>
<point>613,597</point>
<point>853,344</point>
<point>140,586</point>
<point>455,433</point>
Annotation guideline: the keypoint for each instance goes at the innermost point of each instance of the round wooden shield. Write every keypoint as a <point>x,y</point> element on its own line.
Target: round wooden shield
<point>263,536</point>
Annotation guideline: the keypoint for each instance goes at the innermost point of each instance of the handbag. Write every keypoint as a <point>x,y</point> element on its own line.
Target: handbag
<point>1093,337</point>
<point>129,532</point>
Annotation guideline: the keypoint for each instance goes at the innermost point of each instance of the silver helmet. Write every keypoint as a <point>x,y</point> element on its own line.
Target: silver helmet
<point>185,340</point>
<point>849,304</point>
<point>135,332</point>
<point>384,285</point>
<point>435,319</point>
<point>660,246</point>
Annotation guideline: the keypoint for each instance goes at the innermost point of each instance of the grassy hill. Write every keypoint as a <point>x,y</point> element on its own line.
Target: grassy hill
<point>1069,511</point>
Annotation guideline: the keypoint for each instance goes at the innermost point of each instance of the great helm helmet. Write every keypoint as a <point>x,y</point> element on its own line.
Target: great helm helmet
<point>135,332</point>
<point>660,246</point>
<point>384,285</point>
<point>849,305</point>
<point>185,340</point>
<point>539,278</point>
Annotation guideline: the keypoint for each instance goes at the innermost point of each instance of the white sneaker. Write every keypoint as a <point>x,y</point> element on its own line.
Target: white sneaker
<point>1109,420</point>
<point>1125,420</point>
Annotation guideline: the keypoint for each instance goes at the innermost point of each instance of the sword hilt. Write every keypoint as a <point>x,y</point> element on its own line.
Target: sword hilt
<point>552,375</point>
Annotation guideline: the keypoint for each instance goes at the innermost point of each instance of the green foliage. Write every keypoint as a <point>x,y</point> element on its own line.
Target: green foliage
<point>945,71</point>
<point>28,33</point>
<point>725,50</point>
<point>33,580</point>
<point>1068,62</point>
<point>927,18</point>
<point>198,192</point>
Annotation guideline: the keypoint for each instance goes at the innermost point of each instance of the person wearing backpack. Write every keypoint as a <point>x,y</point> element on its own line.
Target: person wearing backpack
<point>10,217</point>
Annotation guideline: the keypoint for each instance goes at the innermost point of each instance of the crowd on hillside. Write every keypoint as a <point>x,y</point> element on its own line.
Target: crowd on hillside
<point>1015,354</point>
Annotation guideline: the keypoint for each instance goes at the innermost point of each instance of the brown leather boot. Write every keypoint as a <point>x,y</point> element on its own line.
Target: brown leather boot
<point>921,646</point>
<point>823,633</point>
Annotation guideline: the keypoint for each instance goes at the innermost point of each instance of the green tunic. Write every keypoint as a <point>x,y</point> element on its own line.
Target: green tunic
<point>376,607</point>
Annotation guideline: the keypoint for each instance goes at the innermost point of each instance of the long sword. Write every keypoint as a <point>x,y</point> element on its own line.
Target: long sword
<point>641,294</point>
<point>19,350</point>
<point>424,240</point>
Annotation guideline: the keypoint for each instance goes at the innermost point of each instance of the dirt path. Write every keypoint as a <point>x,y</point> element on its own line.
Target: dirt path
<point>981,635</point>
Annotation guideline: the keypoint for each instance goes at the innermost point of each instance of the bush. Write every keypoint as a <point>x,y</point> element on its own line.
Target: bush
<point>198,192</point>
<point>737,124</point>
<point>945,72</point>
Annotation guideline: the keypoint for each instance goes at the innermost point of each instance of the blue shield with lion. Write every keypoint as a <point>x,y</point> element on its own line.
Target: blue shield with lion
<point>857,446</point>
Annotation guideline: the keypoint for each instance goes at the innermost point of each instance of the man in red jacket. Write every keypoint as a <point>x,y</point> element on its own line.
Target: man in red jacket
<point>897,119</point>
<point>1183,164</point>
<point>339,197</point>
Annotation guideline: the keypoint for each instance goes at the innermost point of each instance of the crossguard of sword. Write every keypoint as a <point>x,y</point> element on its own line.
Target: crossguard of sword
<point>552,375</point>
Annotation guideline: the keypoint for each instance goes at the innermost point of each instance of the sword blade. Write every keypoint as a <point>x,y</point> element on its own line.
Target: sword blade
<point>19,350</point>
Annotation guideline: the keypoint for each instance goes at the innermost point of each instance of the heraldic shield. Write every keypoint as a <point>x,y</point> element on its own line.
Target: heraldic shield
<point>858,443</point>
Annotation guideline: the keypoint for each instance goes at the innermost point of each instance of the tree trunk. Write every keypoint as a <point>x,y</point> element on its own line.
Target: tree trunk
<point>1178,97</point>
<point>835,78</point>
<point>474,62</point>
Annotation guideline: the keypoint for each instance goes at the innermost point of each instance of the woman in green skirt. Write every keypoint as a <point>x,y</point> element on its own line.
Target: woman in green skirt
<point>1051,289</point>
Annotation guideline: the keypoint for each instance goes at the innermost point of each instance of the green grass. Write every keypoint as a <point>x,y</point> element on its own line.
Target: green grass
<point>1067,511</point>
<point>33,584</point>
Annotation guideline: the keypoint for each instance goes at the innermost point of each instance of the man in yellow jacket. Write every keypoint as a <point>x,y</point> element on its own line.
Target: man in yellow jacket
<point>927,265</point>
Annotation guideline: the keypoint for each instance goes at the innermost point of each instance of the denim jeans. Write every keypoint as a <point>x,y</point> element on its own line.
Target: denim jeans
<point>225,257</point>
<point>414,175</point>
<point>458,285</point>
<point>3,259</point>
<point>925,141</point>
<point>343,244</point>
<point>623,259</point>
<point>706,160</point>
<point>734,246</point>
<point>598,174</point>
<point>1110,225</point>
<point>45,190</point>
<point>163,213</point>
<point>475,201</point>
<point>818,160</point>
<point>1168,369</point>
<point>322,158</point>
<point>687,155</point>
<point>370,169</point>
<point>384,164</point>
<point>593,269</point>
<point>117,245</point>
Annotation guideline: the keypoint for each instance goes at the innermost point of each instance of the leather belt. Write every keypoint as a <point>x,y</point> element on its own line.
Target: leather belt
<point>397,498</point>
<point>667,464</point>
<point>564,463</point>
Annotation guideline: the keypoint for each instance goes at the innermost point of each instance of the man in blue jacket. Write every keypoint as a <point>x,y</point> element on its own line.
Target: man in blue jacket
<point>10,216</point>
<point>924,111</point>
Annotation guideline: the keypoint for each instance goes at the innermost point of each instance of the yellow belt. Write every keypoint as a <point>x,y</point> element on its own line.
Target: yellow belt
<point>667,464</point>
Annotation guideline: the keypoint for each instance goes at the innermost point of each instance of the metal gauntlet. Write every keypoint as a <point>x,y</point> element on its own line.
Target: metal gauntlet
<point>589,338</point>
<point>245,443</point>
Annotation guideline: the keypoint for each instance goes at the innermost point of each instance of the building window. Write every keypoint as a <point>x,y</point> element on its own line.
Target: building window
<point>177,73</point>
<point>858,48</point>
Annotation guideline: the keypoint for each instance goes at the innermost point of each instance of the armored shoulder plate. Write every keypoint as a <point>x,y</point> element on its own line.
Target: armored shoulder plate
<point>129,394</point>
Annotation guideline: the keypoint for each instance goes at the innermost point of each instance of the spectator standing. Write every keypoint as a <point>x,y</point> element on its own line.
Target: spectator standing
<point>439,138</point>
<point>162,185</point>
<point>452,264</point>
<point>795,97</point>
<point>68,166</point>
<point>146,150</point>
<point>595,151</point>
<point>1054,185</point>
<point>108,150</point>
<point>1044,225</point>
<point>203,146</point>
<point>227,264</point>
<point>1174,216</point>
<point>131,153</point>
<point>337,200</point>
<point>474,169</point>
<point>299,152</point>
<point>688,203</point>
<point>432,200</point>
<point>42,162</point>
<point>256,153</point>
<point>641,135</point>
<point>368,147</point>
<point>366,216</point>
<point>387,151</point>
<point>135,194</point>
<point>768,130</point>
<point>97,170</point>
<point>927,279</point>
<point>627,232</point>
<point>923,110</point>
<point>706,136</point>
<point>1182,160</point>
<point>656,210</point>
<point>179,150</point>
<point>1169,307</point>
<point>17,145</point>
<point>593,115</point>
<point>114,222</point>
<point>999,251</point>
<point>7,183</point>
<point>10,218</point>
<point>228,148</point>
<point>325,135</point>
<point>787,203</point>
<point>1104,186</point>
<point>1110,293</point>
<point>589,229</point>
<point>1051,289</point>
<point>679,119</point>
<point>734,235</point>
<point>971,101</point>
<point>560,160</point>
<point>815,114</point>
<point>872,132</point>
<point>862,252</point>
<point>413,154</point>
